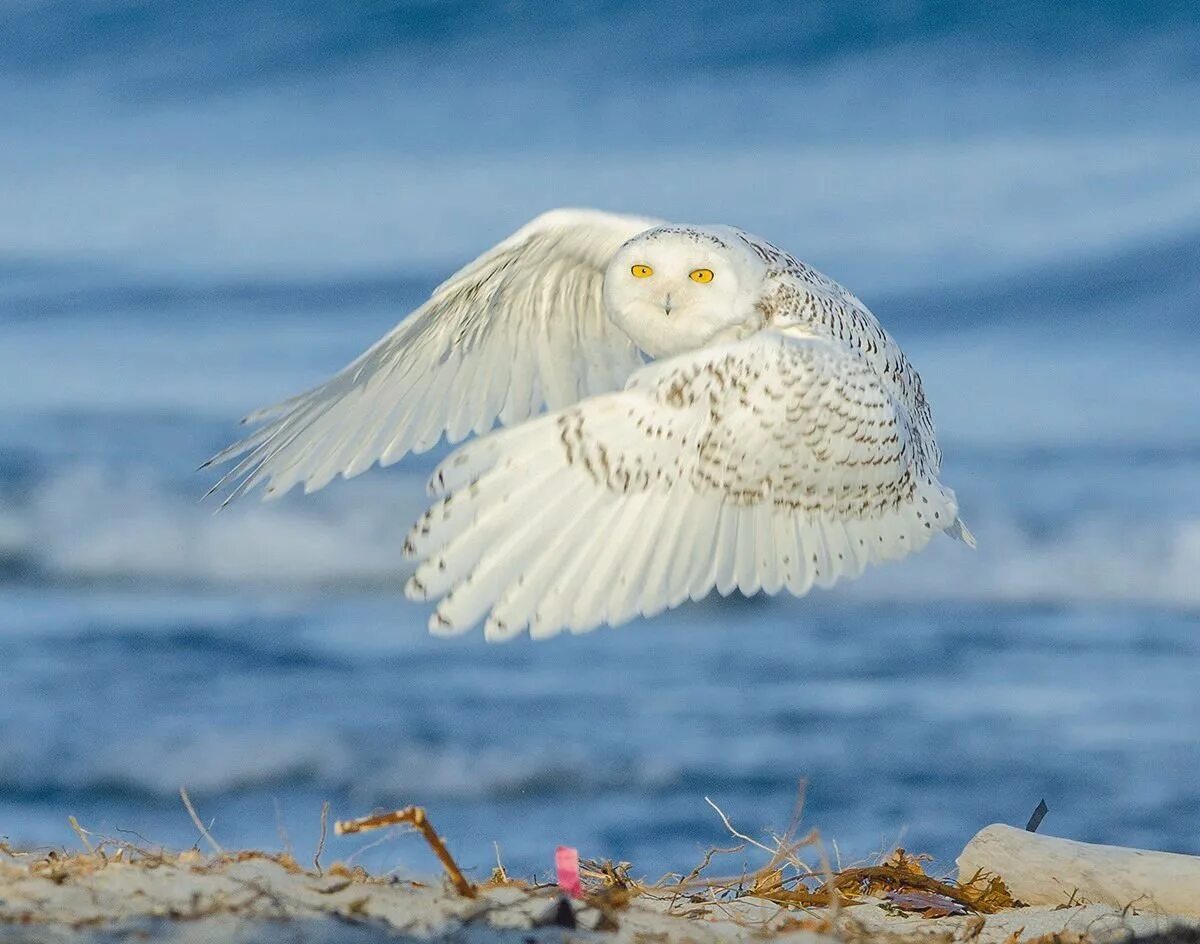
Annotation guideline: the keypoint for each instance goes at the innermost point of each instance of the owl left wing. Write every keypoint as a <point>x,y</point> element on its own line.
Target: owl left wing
<point>767,463</point>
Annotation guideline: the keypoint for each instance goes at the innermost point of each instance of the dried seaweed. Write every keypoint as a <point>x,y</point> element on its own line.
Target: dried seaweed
<point>902,873</point>
<point>794,876</point>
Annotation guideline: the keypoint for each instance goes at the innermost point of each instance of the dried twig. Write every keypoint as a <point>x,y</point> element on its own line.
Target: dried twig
<point>321,841</point>
<point>708,857</point>
<point>187,802</point>
<point>412,816</point>
<point>737,835</point>
<point>373,844</point>
<point>81,833</point>
<point>769,881</point>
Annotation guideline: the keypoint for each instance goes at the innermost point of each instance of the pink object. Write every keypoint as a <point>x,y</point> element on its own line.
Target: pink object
<point>566,863</point>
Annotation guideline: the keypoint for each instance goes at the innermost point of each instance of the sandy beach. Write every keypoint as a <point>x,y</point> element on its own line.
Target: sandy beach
<point>255,897</point>
<point>118,893</point>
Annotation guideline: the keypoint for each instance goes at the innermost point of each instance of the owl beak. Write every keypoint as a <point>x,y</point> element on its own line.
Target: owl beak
<point>667,304</point>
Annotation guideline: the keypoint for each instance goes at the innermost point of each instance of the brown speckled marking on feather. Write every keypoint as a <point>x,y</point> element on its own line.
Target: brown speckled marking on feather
<point>799,296</point>
<point>854,455</point>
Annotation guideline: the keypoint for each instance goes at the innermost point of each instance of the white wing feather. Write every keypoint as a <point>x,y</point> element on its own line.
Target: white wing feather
<point>777,461</point>
<point>521,326</point>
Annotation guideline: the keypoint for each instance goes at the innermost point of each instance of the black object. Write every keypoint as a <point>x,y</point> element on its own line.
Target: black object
<point>1038,815</point>
<point>561,915</point>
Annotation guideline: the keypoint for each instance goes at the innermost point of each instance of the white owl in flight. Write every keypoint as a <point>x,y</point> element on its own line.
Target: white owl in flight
<point>778,437</point>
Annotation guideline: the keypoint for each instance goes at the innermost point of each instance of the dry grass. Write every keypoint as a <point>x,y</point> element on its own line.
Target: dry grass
<point>789,879</point>
<point>786,879</point>
<point>795,876</point>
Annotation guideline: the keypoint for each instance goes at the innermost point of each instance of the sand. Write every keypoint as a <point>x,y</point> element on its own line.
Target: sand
<point>250,896</point>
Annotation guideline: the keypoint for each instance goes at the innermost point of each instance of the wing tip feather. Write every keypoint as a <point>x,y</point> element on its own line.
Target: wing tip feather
<point>960,532</point>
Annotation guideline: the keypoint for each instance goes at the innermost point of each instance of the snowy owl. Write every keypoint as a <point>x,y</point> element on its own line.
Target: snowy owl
<point>721,415</point>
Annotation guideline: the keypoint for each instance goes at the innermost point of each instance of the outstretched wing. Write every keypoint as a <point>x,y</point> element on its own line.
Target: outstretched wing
<point>521,326</point>
<point>772,462</point>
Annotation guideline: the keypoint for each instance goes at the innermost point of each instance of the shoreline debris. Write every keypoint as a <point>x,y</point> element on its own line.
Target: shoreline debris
<point>411,816</point>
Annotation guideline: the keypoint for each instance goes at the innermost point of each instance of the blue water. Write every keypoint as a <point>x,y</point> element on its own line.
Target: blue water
<point>208,207</point>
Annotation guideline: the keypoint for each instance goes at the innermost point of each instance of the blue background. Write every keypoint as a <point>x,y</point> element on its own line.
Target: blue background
<point>205,207</point>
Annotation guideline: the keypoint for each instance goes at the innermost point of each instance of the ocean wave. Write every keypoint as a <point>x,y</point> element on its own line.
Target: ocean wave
<point>151,767</point>
<point>879,143</point>
<point>89,525</point>
<point>886,216</point>
<point>1083,539</point>
<point>220,44</point>
<point>1100,559</point>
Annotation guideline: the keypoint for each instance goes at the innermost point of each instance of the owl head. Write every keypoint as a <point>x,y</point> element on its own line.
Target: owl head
<point>674,289</point>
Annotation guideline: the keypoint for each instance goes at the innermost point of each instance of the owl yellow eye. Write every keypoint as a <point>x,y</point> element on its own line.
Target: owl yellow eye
<point>701,275</point>
<point>641,271</point>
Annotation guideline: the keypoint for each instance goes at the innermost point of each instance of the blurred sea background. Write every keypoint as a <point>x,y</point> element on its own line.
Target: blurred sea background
<point>206,207</point>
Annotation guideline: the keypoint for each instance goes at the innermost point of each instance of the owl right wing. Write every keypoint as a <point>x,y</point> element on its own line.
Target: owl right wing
<point>776,461</point>
<point>520,327</point>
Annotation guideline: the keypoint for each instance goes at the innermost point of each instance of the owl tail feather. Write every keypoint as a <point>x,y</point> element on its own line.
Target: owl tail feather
<point>961,532</point>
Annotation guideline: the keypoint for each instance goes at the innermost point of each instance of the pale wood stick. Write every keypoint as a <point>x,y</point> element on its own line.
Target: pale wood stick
<point>1044,870</point>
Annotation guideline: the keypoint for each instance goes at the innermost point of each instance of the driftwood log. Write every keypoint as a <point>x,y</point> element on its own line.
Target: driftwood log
<point>1044,870</point>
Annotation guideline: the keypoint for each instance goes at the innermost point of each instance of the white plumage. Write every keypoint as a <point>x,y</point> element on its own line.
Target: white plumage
<point>780,440</point>
<point>520,328</point>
